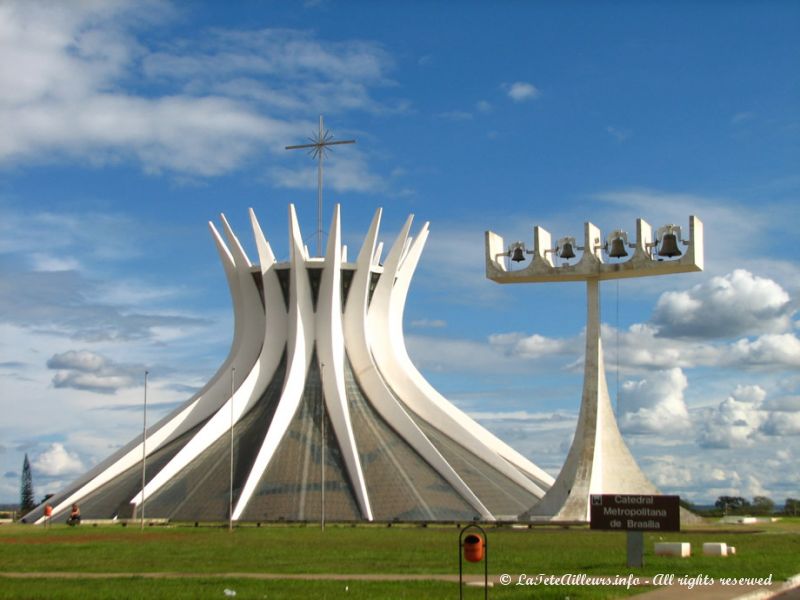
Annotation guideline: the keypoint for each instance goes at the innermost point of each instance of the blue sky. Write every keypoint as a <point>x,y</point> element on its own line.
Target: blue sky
<point>128,125</point>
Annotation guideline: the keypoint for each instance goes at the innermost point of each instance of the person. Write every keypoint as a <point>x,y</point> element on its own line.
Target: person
<point>74,516</point>
<point>48,514</point>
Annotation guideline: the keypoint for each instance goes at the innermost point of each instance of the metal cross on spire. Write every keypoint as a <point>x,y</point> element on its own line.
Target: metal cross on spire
<point>317,148</point>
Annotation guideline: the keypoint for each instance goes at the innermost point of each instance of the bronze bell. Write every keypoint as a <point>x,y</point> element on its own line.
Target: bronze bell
<point>669,246</point>
<point>518,253</point>
<point>566,250</point>
<point>617,249</point>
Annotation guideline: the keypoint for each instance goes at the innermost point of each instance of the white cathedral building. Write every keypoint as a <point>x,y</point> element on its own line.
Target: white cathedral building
<point>326,415</point>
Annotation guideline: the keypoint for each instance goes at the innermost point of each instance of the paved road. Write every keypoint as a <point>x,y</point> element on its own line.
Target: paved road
<point>780,590</point>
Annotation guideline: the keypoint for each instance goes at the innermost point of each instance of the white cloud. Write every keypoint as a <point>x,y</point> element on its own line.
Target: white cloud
<point>619,134</point>
<point>655,404</point>
<point>56,461</point>
<point>534,346</point>
<point>62,69</point>
<point>781,424</point>
<point>521,91</point>
<point>754,394</point>
<point>88,371</point>
<point>345,173</point>
<point>456,115</point>
<point>736,304</point>
<point>644,348</point>
<point>746,417</point>
<point>735,422</point>
<point>783,404</point>
<point>768,351</point>
<point>670,472</point>
<point>428,323</point>
<point>46,262</point>
<point>270,52</point>
<point>483,106</point>
<point>454,355</point>
<point>742,117</point>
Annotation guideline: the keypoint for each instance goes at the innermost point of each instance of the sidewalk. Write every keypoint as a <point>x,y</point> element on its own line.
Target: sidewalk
<point>785,590</point>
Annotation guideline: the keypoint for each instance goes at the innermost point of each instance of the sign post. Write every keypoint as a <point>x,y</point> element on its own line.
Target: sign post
<point>634,513</point>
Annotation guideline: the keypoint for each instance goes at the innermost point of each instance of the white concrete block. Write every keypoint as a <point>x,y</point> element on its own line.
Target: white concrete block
<point>682,549</point>
<point>715,549</point>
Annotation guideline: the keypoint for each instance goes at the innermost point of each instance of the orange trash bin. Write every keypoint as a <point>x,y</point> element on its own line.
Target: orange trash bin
<point>473,548</point>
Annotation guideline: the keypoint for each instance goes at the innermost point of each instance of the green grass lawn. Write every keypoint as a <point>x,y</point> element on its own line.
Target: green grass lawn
<point>208,552</point>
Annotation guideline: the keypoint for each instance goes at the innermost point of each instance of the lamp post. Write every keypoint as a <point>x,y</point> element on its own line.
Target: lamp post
<point>322,450</point>
<point>230,495</point>
<point>598,461</point>
<point>144,450</point>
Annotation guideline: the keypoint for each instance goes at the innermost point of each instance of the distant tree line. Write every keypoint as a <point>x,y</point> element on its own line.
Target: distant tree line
<point>737,505</point>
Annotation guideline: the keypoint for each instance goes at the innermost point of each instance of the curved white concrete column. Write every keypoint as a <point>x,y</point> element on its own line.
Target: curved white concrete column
<point>252,379</point>
<point>330,353</point>
<point>395,365</point>
<point>368,377</point>
<point>200,406</point>
<point>399,295</point>
<point>276,321</point>
<point>301,333</point>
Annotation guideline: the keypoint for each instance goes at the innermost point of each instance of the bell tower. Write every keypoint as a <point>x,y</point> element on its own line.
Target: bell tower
<point>599,461</point>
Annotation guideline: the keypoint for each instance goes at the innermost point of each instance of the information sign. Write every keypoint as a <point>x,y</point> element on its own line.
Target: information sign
<point>634,512</point>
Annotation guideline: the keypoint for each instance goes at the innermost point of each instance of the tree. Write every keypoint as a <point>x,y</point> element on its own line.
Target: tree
<point>762,505</point>
<point>791,506</point>
<point>731,504</point>
<point>26,498</point>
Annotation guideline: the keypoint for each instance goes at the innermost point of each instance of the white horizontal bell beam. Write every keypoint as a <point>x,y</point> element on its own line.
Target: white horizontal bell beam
<point>591,264</point>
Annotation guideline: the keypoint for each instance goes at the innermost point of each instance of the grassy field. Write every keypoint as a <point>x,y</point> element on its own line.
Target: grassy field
<point>210,559</point>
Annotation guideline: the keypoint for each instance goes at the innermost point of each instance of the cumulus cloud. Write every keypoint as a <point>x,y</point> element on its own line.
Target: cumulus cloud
<point>736,421</point>
<point>670,472</point>
<point>655,404</point>
<point>781,424</point>
<point>85,370</point>
<point>746,417</point>
<point>532,346</point>
<point>56,461</point>
<point>783,404</point>
<point>739,303</point>
<point>645,348</point>
<point>521,91</point>
<point>768,350</point>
